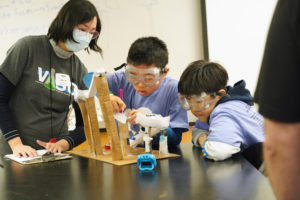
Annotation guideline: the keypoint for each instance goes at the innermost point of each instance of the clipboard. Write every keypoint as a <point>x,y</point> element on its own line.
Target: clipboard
<point>42,157</point>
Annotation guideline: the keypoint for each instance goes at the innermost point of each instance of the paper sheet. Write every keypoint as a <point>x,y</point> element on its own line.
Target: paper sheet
<point>37,159</point>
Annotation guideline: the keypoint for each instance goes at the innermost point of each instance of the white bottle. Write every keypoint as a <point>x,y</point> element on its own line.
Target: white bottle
<point>163,143</point>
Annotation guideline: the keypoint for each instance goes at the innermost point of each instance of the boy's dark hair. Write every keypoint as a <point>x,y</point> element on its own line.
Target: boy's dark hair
<point>74,12</point>
<point>201,76</point>
<point>148,51</point>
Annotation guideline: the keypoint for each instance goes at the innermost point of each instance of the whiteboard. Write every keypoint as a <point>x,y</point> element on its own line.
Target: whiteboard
<point>176,22</point>
<point>237,31</point>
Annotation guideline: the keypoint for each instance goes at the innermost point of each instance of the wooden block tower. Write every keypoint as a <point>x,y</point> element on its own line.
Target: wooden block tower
<point>91,126</point>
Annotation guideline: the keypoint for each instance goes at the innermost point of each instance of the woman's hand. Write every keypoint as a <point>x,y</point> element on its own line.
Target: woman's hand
<point>117,103</point>
<point>57,147</point>
<point>21,150</point>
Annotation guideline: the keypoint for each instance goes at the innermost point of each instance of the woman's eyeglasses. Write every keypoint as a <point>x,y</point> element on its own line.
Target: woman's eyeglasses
<point>95,34</point>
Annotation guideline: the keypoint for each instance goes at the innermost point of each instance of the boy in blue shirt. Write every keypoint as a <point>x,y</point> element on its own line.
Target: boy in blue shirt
<point>145,84</point>
<point>229,123</point>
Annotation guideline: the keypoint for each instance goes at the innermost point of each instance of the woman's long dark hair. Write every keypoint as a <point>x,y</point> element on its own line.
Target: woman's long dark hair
<point>74,12</point>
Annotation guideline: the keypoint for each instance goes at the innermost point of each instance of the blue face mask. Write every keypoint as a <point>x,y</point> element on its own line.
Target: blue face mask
<point>82,39</point>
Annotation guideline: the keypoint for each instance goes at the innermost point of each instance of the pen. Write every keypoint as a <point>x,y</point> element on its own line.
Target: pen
<point>121,93</point>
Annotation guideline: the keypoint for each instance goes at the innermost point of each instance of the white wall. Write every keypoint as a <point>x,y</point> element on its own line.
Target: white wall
<point>176,22</point>
<point>237,30</point>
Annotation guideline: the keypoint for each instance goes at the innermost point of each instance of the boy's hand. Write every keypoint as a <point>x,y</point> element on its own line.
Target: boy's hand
<point>21,150</point>
<point>117,103</point>
<point>202,139</point>
<point>131,117</point>
<point>58,147</point>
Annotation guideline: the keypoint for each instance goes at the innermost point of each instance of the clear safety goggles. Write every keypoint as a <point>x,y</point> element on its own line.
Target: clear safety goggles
<point>197,102</point>
<point>149,76</point>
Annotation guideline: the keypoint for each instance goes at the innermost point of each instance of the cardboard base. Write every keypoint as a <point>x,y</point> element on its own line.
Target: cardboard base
<point>130,159</point>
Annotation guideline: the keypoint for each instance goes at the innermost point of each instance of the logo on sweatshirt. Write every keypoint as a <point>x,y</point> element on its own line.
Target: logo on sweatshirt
<point>56,81</point>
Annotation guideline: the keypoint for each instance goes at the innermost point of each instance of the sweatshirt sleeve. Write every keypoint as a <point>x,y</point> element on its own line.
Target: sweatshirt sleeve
<point>175,135</point>
<point>16,61</point>
<point>218,151</point>
<point>196,133</point>
<point>7,126</point>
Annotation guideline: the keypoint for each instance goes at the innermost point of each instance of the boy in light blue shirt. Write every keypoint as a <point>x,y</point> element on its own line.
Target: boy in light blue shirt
<point>228,122</point>
<point>145,84</point>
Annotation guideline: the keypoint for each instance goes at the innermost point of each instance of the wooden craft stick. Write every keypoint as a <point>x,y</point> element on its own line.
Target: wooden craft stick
<point>91,108</point>
<point>107,111</point>
<point>87,127</point>
<point>124,134</point>
<point>112,129</point>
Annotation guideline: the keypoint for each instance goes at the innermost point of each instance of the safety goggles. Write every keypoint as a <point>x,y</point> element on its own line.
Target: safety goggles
<point>149,76</point>
<point>197,102</point>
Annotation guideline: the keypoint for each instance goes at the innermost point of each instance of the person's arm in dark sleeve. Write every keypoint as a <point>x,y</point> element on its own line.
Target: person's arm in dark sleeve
<point>175,135</point>
<point>77,136</point>
<point>7,126</point>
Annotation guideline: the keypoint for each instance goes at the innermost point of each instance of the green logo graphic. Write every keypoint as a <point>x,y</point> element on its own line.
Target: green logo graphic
<point>49,83</point>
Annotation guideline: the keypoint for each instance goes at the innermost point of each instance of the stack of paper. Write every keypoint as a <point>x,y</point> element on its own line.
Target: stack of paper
<point>39,158</point>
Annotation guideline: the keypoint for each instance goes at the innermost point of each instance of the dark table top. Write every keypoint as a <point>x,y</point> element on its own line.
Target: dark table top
<point>186,177</point>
